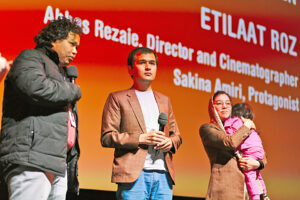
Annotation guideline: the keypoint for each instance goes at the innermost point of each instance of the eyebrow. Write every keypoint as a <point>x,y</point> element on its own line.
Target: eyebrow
<point>220,101</point>
<point>74,42</point>
<point>145,60</point>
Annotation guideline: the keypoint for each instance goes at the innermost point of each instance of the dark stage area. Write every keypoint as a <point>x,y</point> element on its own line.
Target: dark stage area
<point>95,195</point>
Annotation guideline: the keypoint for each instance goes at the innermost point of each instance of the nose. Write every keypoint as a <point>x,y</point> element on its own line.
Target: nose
<point>147,65</point>
<point>74,50</point>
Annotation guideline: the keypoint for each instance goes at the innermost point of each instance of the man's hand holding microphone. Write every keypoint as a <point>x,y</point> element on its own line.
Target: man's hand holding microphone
<point>158,138</point>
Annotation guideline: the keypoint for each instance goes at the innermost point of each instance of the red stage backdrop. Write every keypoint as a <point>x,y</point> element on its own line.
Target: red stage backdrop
<point>248,48</point>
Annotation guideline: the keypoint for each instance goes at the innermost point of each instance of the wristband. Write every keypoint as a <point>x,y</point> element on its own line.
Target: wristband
<point>261,165</point>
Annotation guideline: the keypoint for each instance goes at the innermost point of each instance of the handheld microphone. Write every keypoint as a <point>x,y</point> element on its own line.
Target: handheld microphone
<point>162,121</point>
<point>72,73</point>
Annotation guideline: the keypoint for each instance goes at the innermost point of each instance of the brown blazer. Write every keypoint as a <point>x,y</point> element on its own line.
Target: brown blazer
<point>226,180</point>
<point>122,124</point>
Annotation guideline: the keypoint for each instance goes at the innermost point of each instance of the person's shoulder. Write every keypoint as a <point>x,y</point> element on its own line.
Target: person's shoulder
<point>26,54</point>
<point>237,121</point>
<point>207,129</point>
<point>232,120</point>
<point>255,133</point>
<point>29,52</point>
<point>206,126</point>
<point>121,93</point>
<point>161,95</point>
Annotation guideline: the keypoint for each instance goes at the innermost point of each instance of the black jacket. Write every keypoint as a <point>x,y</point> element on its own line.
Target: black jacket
<point>35,118</point>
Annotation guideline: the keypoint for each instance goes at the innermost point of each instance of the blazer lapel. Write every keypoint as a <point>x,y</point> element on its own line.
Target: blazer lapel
<point>160,104</point>
<point>162,107</point>
<point>135,105</point>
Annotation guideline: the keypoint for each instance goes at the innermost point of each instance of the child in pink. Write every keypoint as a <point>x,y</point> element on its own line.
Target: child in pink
<point>251,147</point>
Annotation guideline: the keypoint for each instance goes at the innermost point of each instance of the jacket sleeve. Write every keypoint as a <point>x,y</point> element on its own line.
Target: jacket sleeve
<point>173,130</point>
<point>28,76</point>
<point>111,135</point>
<point>216,138</point>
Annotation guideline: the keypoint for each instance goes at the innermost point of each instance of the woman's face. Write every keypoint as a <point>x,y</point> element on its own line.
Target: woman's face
<point>223,106</point>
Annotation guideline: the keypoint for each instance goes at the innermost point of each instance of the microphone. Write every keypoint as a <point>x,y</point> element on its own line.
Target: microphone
<point>72,73</point>
<point>162,121</point>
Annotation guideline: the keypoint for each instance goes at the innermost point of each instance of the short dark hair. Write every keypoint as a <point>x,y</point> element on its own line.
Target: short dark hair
<point>142,50</point>
<point>242,110</point>
<point>58,29</point>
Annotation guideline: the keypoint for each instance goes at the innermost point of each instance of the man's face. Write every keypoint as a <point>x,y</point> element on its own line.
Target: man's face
<point>144,68</point>
<point>66,48</point>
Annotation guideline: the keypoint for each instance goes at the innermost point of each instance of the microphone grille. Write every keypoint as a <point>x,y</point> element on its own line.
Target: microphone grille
<point>163,118</point>
<point>72,71</point>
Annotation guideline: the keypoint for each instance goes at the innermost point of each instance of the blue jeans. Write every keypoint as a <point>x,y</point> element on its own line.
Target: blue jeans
<point>154,185</point>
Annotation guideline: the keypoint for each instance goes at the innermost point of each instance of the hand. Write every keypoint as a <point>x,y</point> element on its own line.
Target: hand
<point>165,145</point>
<point>248,164</point>
<point>248,123</point>
<point>152,138</point>
<point>4,64</point>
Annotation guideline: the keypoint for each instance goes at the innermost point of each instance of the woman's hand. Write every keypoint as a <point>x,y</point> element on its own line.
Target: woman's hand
<point>249,123</point>
<point>248,164</point>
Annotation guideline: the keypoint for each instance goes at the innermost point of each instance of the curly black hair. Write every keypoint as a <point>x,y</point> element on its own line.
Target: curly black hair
<point>58,29</point>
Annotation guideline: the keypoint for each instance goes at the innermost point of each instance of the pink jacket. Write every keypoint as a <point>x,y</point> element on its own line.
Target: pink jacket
<point>252,145</point>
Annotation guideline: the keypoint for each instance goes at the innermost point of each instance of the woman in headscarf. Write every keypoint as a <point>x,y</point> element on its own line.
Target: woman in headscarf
<point>227,181</point>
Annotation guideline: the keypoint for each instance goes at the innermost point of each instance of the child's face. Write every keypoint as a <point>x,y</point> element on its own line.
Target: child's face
<point>223,106</point>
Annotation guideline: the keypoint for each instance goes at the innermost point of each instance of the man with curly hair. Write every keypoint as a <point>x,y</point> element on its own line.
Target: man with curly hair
<point>38,140</point>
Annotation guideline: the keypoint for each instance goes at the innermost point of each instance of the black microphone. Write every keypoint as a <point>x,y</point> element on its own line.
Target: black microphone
<point>162,121</point>
<point>72,73</point>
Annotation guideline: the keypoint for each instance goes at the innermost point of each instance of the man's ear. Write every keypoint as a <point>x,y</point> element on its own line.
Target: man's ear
<point>53,45</point>
<point>130,71</point>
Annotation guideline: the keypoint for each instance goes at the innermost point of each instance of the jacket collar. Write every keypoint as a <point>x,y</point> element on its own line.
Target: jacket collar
<point>50,53</point>
<point>135,105</point>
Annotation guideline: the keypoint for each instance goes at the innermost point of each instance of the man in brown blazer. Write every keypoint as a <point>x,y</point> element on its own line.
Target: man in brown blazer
<point>142,165</point>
